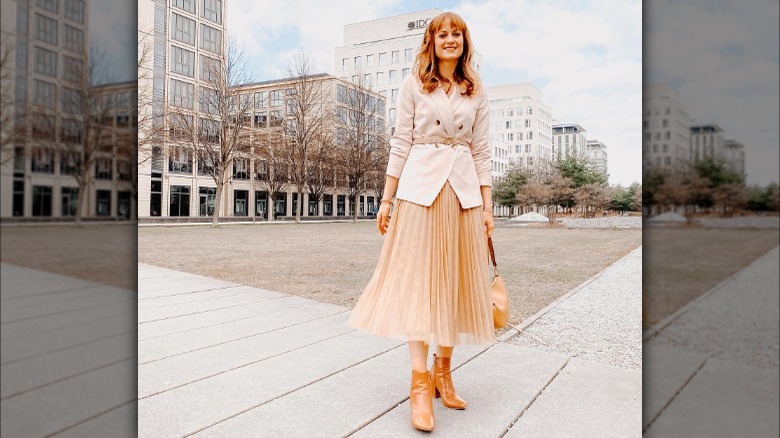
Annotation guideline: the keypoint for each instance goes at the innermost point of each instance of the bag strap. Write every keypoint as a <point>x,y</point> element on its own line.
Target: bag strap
<point>492,253</point>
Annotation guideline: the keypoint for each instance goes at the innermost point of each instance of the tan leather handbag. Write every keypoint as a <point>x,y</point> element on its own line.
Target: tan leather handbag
<point>498,293</point>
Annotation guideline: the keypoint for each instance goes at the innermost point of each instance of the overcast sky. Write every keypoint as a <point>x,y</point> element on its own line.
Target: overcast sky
<point>722,57</point>
<point>585,57</point>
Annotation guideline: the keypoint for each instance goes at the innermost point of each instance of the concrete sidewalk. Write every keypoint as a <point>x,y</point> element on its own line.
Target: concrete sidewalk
<point>714,364</point>
<point>68,356</point>
<point>220,359</point>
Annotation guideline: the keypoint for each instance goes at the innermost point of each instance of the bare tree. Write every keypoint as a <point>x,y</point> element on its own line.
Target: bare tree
<point>212,124</point>
<point>592,198</point>
<point>307,125</point>
<point>79,134</point>
<point>8,129</point>
<point>270,164</point>
<point>361,143</point>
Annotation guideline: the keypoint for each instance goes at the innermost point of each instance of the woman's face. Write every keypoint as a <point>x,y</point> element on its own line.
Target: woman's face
<point>448,43</point>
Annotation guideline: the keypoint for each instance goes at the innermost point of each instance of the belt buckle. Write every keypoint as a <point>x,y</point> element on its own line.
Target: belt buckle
<point>449,140</point>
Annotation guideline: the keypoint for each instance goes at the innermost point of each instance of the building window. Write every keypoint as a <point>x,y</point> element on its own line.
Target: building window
<point>41,201</point>
<point>345,64</point>
<point>71,69</point>
<point>179,160</point>
<point>208,199</point>
<point>507,125</point>
<point>49,5</point>
<point>183,29</point>
<point>383,58</point>
<point>276,97</point>
<point>123,170</point>
<point>393,76</point>
<point>46,29</point>
<point>240,202</point>
<point>404,73</point>
<point>210,39</point>
<point>408,55</point>
<point>393,94</point>
<point>187,5</point>
<point>358,62</point>
<point>212,10</point>
<point>45,62</point>
<point>70,201</point>
<point>72,38</point>
<point>74,9</point>
<point>241,168</point>
<point>103,168</point>
<point>209,69</point>
<point>260,99</point>
<point>367,80</point>
<point>42,160</point>
<point>44,94</point>
<point>183,61</point>
<point>103,205</point>
<point>394,56</point>
<point>181,93</point>
<point>369,60</point>
<point>180,201</point>
<point>70,132</point>
<point>380,77</point>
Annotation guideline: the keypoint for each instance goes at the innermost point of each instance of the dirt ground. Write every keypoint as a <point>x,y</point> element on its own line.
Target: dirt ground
<point>681,263</point>
<point>332,262</point>
<point>96,252</point>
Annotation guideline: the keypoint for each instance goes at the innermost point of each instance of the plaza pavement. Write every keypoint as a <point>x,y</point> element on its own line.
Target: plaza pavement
<point>221,359</point>
<point>713,365</point>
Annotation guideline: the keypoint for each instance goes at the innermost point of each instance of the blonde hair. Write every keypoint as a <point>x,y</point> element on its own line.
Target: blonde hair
<point>426,68</point>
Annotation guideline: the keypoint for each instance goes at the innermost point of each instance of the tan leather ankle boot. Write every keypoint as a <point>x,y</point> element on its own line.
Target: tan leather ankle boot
<point>442,381</point>
<point>421,401</point>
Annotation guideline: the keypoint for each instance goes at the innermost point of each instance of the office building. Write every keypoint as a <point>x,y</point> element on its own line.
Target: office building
<point>569,139</point>
<point>665,128</point>
<point>734,153</point>
<point>597,155</point>
<point>522,121</point>
<point>706,141</point>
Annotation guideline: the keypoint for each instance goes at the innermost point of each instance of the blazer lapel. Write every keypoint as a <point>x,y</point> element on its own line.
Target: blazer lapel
<point>444,107</point>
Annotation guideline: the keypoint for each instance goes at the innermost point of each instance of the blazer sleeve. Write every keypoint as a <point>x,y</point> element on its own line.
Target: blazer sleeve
<point>480,145</point>
<point>401,140</point>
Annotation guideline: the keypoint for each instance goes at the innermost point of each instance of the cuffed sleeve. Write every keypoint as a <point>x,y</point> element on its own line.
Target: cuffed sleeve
<point>401,140</point>
<point>480,144</point>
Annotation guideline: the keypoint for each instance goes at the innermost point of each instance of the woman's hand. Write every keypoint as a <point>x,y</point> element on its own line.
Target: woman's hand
<point>383,218</point>
<point>489,224</point>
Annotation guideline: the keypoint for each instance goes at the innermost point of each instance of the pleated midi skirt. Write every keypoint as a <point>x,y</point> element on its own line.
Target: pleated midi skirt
<point>432,281</point>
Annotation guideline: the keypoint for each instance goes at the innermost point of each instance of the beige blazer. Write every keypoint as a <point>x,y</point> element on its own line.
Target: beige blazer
<point>423,169</point>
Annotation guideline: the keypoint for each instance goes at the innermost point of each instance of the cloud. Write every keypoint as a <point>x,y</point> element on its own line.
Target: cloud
<point>584,56</point>
<point>723,60</point>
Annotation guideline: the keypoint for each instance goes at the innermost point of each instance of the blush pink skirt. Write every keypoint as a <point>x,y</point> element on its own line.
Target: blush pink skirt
<point>432,281</point>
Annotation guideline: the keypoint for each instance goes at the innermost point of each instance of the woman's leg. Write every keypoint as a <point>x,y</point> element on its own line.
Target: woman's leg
<point>421,392</point>
<point>418,351</point>
<point>444,351</point>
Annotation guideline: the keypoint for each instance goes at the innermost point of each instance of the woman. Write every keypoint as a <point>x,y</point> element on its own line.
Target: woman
<point>432,281</point>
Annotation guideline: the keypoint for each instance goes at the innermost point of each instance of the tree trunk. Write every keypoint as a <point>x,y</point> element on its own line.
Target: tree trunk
<point>217,204</point>
<point>356,200</point>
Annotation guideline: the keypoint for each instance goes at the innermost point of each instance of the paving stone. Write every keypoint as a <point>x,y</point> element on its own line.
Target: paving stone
<point>290,313</point>
<point>251,296</point>
<point>586,399</point>
<point>69,402</point>
<point>666,370</point>
<point>168,326</point>
<point>164,374</point>
<point>357,394</point>
<point>724,399</point>
<point>497,384</point>
<point>203,403</point>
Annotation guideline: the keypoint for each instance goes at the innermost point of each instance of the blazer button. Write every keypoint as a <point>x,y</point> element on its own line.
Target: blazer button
<point>438,122</point>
